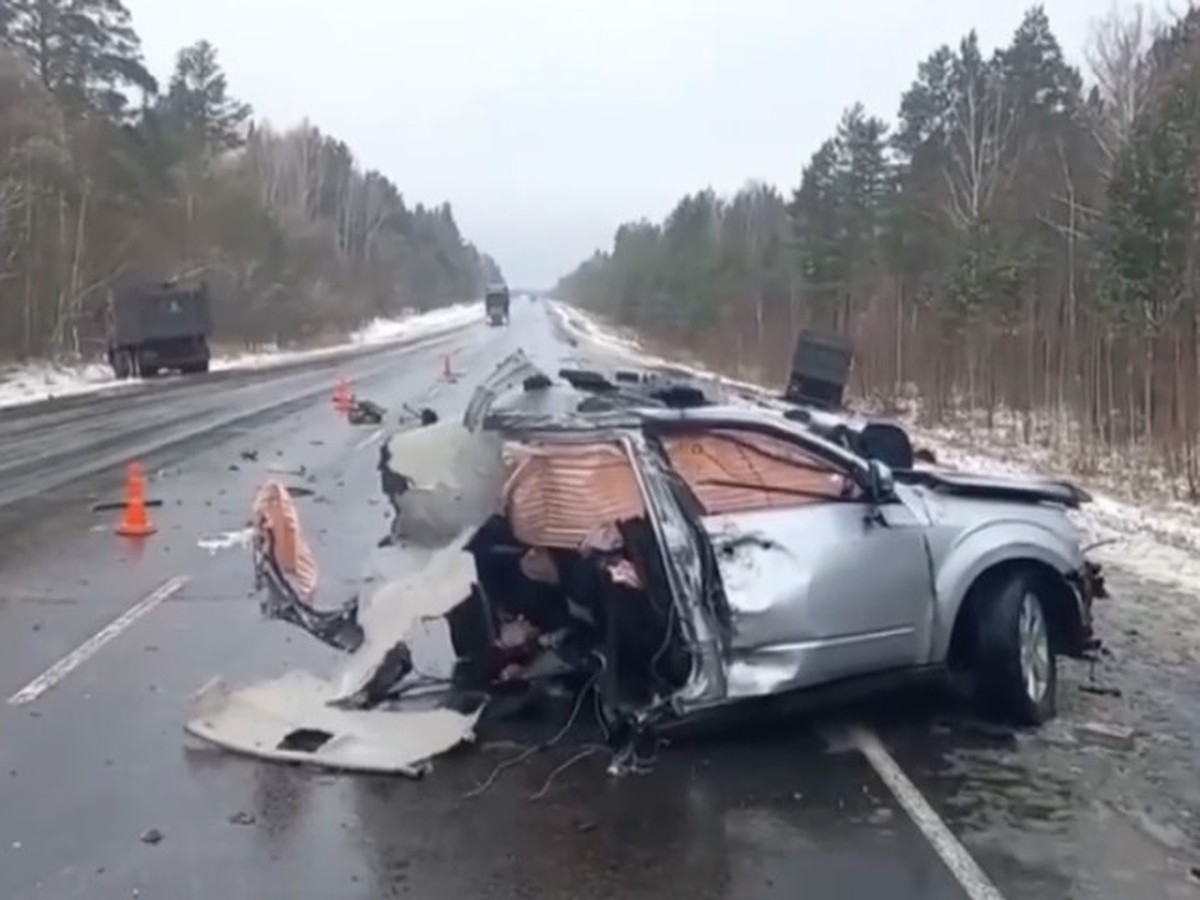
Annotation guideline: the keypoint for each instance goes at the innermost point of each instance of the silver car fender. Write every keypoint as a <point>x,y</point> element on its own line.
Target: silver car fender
<point>988,545</point>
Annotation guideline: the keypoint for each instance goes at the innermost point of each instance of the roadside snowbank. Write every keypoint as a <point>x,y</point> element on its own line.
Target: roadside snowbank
<point>44,381</point>
<point>1159,542</point>
<point>40,381</point>
<point>378,331</point>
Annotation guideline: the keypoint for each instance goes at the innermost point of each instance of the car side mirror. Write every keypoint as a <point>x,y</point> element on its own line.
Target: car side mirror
<point>880,482</point>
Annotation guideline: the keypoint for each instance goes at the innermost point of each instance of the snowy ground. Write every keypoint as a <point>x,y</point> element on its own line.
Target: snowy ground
<point>1157,541</point>
<point>43,381</point>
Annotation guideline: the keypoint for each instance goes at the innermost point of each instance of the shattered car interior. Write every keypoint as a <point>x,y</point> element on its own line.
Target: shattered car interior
<point>665,553</point>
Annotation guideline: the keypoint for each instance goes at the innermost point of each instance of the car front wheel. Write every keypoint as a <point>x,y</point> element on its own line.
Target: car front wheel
<point>1016,672</point>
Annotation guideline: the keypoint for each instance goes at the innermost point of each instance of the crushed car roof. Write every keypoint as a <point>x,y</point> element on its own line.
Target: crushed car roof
<point>521,398</point>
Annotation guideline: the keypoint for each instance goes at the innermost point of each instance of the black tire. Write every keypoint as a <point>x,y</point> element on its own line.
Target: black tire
<point>1008,679</point>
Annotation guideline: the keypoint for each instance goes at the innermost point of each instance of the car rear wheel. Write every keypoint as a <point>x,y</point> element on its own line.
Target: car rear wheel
<point>1016,673</point>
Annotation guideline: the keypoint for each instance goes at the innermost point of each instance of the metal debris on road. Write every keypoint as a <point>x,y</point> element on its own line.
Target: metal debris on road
<point>152,836</point>
<point>112,505</point>
<point>364,412</point>
<point>226,541</point>
<point>1114,737</point>
<point>279,469</point>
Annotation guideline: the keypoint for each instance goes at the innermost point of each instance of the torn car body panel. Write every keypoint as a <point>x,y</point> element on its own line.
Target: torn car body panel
<point>296,718</point>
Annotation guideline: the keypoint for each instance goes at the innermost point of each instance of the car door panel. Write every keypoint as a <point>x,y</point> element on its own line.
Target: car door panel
<point>822,591</point>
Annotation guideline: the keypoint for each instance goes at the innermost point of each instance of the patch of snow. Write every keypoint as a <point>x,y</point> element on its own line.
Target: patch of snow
<point>45,381</point>
<point>627,345</point>
<point>375,332</point>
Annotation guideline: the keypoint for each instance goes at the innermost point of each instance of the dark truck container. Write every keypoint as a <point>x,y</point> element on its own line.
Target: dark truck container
<point>160,326</point>
<point>496,302</point>
<point>820,370</point>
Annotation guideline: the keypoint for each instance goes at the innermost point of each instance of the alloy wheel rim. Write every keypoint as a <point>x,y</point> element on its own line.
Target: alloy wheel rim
<point>1034,648</point>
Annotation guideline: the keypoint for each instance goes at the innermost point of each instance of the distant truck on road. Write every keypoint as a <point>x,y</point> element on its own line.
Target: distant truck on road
<point>160,326</point>
<point>496,301</point>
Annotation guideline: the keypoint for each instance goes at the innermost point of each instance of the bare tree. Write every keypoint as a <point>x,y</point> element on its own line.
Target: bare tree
<point>1118,61</point>
<point>980,148</point>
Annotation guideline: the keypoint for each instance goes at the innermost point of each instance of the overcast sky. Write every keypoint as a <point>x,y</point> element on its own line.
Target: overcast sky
<point>547,123</point>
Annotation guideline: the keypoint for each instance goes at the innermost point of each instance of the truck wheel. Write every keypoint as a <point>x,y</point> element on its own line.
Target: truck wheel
<point>1016,673</point>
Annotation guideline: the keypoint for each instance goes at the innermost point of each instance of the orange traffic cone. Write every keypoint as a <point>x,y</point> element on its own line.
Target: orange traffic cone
<point>136,521</point>
<point>342,399</point>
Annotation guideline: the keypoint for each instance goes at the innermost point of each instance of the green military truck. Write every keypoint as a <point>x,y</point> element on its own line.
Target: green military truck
<point>159,326</point>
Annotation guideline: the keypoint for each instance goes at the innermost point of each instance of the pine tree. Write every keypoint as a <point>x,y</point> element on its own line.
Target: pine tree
<point>198,106</point>
<point>84,51</point>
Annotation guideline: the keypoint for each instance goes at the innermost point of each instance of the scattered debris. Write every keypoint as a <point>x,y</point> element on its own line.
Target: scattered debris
<point>227,541</point>
<point>111,505</point>
<point>364,412</point>
<point>242,818</point>
<point>299,472</point>
<point>250,455</point>
<point>234,467</point>
<point>1115,737</point>
<point>1100,691</point>
<point>424,415</point>
<point>152,836</point>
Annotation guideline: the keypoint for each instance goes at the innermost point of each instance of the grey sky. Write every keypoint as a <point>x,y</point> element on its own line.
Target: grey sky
<point>549,122</point>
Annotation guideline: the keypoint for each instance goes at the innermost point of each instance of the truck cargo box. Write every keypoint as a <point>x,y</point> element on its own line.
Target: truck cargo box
<point>820,369</point>
<point>161,312</point>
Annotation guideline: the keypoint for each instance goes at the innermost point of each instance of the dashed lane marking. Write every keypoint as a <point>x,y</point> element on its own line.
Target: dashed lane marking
<point>93,645</point>
<point>369,439</point>
<point>956,857</point>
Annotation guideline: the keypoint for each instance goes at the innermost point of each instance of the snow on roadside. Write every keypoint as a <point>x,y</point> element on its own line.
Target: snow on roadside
<point>378,331</point>
<point>1159,542</point>
<point>36,382</point>
<point>33,382</point>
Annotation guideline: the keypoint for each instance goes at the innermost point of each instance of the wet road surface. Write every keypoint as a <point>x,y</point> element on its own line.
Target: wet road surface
<point>98,759</point>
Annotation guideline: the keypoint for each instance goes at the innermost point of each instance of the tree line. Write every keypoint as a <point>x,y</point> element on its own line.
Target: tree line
<point>108,178</point>
<point>1022,243</point>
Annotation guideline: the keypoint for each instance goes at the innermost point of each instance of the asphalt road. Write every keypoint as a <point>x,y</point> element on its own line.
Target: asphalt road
<point>97,759</point>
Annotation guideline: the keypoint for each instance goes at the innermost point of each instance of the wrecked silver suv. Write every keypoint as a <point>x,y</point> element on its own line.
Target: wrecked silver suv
<point>677,556</point>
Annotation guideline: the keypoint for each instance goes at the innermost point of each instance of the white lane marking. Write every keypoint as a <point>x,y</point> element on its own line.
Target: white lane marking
<point>369,439</point>
<point>92,645</point>
<point>205,688</point>
<point>958,860</point>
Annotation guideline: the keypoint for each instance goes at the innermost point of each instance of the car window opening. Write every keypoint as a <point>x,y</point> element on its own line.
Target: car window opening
<point>571,573</point>
<point>732,471</point>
